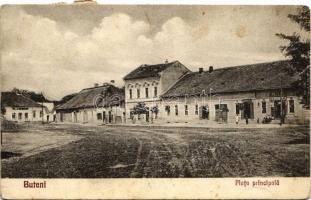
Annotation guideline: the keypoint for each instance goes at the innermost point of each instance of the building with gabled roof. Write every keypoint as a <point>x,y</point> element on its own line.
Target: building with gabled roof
<point>258,92</point>
<point>98,104</point>
<point>169,92</point>
<point>256,77</point>
<point>145,85</point>
<point>20,108</point>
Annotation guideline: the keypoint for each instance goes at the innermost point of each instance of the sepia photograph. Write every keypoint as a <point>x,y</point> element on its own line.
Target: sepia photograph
<point>155,91</point>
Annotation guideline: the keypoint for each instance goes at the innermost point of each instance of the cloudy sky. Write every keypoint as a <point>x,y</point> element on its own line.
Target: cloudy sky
<point>63,49</point>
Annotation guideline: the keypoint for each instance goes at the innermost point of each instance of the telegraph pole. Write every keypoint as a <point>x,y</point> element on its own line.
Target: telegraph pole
<point>42,108</point>
<point>281,102</point>
<point>210,98</point>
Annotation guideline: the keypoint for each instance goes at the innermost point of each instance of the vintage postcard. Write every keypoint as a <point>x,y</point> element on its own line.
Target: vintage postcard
<point>155,101</point>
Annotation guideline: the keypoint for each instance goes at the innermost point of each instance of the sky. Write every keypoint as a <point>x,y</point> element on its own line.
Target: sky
<point>61,49</point>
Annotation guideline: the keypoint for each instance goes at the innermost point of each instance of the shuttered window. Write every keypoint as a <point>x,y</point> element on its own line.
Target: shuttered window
<point>263,107</point>
<point>155,91</point>
<point>131,93</point>
<point>196,109</point>
<point>138,93</point>
<point>186,109</point>
<point>291,106</point>
<point>147,92</point>
<point>99,116</point>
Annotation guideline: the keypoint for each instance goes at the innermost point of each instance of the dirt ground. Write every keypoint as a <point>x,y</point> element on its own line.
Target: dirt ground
<point>78,151</point>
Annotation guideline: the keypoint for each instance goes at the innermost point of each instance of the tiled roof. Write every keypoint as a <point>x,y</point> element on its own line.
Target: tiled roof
<point>145,71</point>
<point>13,99</point>
<point>253,77</point>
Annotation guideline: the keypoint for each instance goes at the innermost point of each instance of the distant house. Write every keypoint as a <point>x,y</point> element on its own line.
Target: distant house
<point>19,108</point>
<point>258,92</point>
<point>49,113</point>
<point>98,105</point>
<point>145,85</point>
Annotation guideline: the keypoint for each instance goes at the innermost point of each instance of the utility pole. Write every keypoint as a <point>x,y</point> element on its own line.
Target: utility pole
<point>210,103</point>
<point>210,98</point>
<point>219,111</point>
<point>281,102</point>
<point>42,108</point>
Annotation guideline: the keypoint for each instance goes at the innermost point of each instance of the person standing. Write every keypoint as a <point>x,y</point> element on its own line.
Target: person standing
<point>246,119</point>
<point>237,119</point>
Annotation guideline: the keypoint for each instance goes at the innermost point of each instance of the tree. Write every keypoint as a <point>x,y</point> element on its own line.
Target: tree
<point>140,108</point>
<point>65,99</point>
<point>37,97</point>
<point>298,51</point>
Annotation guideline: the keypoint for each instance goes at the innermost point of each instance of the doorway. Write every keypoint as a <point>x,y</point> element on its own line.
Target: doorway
<point>276,110</point>
<point>248,109</point>
<point>109,117</point>
<point>61,117</point>
<point>104,116</point>
<point>147,114</point>
<point>75,117</point>
<point>221,113</point>
<point>85,117</point>
<point>205,112</point>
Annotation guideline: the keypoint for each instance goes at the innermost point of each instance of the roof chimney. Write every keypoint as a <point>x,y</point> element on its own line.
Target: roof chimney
<point>200,70</point>
<point>166,61</point>
<point>95,84</point>
<point>210,69</point>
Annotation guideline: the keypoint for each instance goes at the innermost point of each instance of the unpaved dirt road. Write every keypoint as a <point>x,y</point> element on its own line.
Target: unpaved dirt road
<point>106,151</point>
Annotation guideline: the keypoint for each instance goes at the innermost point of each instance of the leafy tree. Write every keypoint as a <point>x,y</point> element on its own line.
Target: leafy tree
<point>140,108</point>
<point>37,97</point>
<point>298,51</point>
<point>65,99</point>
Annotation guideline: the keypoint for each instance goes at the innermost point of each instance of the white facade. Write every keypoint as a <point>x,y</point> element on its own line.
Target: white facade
<point>49,113</point>
<point>24,114</point>
<point>112,115</point>
<point>43,113</point>
<point>148,91</point>
<point>202,109</point>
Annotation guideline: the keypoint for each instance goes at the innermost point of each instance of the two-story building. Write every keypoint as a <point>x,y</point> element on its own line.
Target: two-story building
<point>171,93</point>
<point>144,87</point>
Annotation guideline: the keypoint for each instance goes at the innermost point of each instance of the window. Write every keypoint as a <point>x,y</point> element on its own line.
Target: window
<point>168,110</point>
<point>99,116</point>
<point>33,114</point>
<point>186,109</point>
<point>147,92</point>
<point>176,110</point>
<point>13,115</point>
<point>155,91</point>
<point>263,107</point>
<point>223,107</point>
<point>138,93</point>
<point>196,109</point>
<point>20,115</point>
<point>291,106</point>
<point>131,94</point>
<point>26,115</point>
<point>41,113</point>
<point>104,115</point>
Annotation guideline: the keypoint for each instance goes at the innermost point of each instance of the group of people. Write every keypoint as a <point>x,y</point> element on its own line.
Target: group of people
<point>237,119</point>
